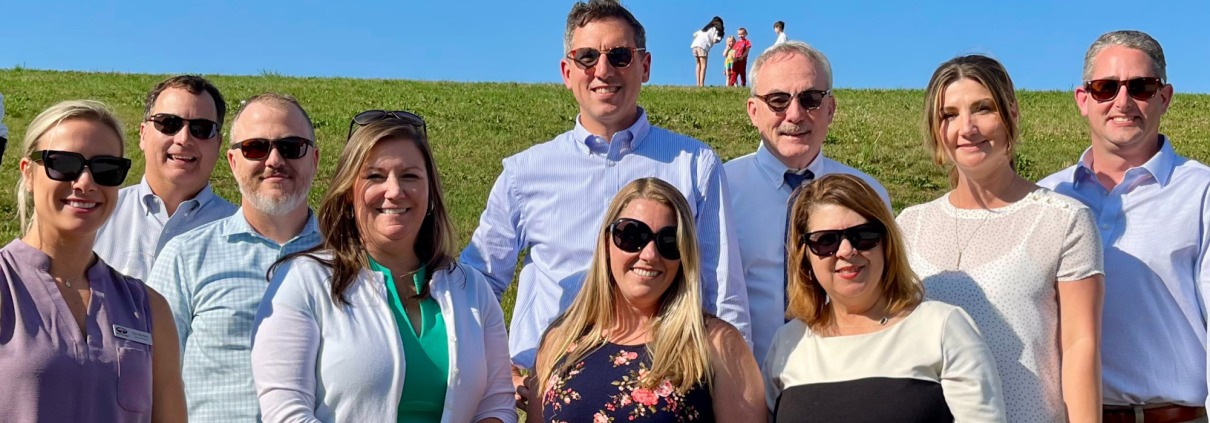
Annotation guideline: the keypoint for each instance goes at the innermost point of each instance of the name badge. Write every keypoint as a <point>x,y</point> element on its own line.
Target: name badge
<point>132,334</point>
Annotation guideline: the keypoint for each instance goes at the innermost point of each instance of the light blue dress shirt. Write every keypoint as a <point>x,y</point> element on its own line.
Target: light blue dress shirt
<point>759,196</point>
<point>213,278</point>
<point>140,226</point>
<point>551,199</point>
<point>1155,229</point>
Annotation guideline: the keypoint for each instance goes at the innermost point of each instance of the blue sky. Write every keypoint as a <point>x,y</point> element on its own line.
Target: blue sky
<point>872,44</point>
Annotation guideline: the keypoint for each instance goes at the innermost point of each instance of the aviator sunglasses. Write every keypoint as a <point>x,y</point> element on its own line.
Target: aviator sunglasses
<point>169,124</point>
<point>289,147</point>
<point>370,116</point>
<point>862,237</point>
<point>632,236</point>
<point>1140,89</point>
<point>618,57</point>
<point>808,99</point>
<point>66,166</point>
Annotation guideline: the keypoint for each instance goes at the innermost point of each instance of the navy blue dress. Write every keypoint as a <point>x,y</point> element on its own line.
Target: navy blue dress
<point>603,387</point>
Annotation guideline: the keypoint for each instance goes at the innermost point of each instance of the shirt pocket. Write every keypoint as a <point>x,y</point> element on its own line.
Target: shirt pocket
<point>134,379</point>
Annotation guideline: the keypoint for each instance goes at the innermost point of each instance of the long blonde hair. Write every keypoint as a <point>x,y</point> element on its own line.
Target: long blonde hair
<point>678,346</point>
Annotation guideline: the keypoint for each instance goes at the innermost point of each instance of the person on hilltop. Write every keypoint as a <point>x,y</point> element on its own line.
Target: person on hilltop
<point>702,41</point>
<point>779,28</point>
<point>739,67</point>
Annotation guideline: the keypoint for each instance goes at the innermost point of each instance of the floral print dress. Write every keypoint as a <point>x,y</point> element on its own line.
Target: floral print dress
<point>604,387</point>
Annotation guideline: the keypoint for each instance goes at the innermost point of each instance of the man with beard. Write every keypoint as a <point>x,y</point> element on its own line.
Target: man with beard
<point>214,276</point>
<point>791,106</point>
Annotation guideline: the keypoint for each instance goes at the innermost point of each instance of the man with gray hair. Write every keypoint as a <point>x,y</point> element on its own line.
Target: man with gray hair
<point>791,106</point>
<point>214,276</point>
<point>1153,210</point>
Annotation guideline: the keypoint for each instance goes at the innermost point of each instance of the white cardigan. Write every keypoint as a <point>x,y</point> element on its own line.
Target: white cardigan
<point>315,361</point>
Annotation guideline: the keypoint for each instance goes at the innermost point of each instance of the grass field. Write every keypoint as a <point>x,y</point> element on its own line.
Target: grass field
<point>475,125</point>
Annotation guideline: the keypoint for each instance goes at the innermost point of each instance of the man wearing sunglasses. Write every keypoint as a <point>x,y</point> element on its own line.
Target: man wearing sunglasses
<point>550,199</point>
<point>214,277</point>
<point>180,139</point>
<point>791,107</point>
<point>1151,209</point>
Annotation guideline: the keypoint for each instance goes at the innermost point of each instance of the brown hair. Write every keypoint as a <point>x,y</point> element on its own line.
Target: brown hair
<point>195,85</point>
<point>987,72</point>
<point>808,301</point>
<point>583,13</point>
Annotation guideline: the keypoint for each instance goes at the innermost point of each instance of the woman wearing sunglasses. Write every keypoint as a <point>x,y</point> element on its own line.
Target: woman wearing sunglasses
<point>1024,261</point>
<point>635,344</point>
<point>78,340</point>
<point>379,323</point>
<point>861,330</point>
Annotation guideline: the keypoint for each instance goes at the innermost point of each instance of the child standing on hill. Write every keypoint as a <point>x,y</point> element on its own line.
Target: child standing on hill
<point>729,60</point>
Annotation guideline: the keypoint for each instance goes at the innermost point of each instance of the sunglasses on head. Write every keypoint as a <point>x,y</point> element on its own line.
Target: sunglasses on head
<point>862,237</point>
<point>370,116</point>
<point>1139,88</point>
<point>289,147</point>
<point>618,57</point>
<point>632,236</point>
<point>169,124</point>
<point>66,166</point>
<point>808,99</point>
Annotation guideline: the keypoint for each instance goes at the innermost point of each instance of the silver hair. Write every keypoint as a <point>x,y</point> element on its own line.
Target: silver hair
<point>1137,40</point>
<point>792,47</point>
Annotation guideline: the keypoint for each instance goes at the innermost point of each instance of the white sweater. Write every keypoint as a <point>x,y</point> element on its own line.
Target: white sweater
<point>315,361</point>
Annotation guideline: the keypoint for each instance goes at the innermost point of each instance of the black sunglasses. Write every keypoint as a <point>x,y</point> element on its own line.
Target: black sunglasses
<point>1139,88</point>
<point>862,237</point>
<point>370,116</point>
<point>66,166</point>
<point>170,124</point>
<point>808,99</point>
<point>631,236</point>
<point>618,57</point>
<point>289,147</point>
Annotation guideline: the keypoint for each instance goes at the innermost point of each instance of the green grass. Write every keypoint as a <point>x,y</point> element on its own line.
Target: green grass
<point>475,125</point>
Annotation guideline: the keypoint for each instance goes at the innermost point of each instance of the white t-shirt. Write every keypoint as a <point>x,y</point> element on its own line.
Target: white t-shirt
<point>1001,266</point>
<point>705,39</point>
<point>781,38</point>
<point>930,364</point>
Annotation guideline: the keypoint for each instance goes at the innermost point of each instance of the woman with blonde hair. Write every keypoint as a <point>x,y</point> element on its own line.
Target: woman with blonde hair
<point>379,323</point>
<point>635,344</point>
<point>861,328</point>
<point>1024,261</point>
<point>78,340</point>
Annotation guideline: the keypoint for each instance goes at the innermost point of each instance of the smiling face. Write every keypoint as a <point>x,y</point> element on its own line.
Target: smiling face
<point>1124,122</point>
<point>391,195</point>
<point>608,96</point>
<point>974,136</point>
<point>67,209</point>
<point>275,186</point>
<point>850,276</point>
<point>795,135</point>
<point>180,159</point>
<point>642,278</point>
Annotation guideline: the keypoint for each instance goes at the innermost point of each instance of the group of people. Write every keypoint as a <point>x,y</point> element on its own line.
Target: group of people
<point>735,55</point>
<point>656,283</point>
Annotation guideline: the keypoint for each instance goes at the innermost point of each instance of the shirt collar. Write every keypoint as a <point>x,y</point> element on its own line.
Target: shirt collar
<point>148,198</point>
<point>588,142</point>
<point>237,226</point>
<point>775,170</point>
<point>1159,166</point>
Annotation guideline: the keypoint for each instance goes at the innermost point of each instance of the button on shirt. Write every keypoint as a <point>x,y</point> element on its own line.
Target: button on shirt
<point>759,196</point>
<point>140,226</point>
<point>213,278</point>
<point>1155,228</point>
<point>551,199</point>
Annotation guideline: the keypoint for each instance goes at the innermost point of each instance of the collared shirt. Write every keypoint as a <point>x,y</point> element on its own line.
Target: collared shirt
<point>140,226</point>
<point>1155,228</point>
<point>213,278</point>
<point>551,199</point>
<point>759,196</point>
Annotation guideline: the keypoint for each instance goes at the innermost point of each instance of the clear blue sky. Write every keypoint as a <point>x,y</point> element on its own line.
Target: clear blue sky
<point>872,44</point>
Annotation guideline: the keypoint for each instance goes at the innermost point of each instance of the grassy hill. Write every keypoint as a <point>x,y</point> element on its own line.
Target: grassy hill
<point>475,125</point>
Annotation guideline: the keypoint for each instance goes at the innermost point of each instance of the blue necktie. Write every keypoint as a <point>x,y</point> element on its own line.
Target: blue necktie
<point>794,180</point>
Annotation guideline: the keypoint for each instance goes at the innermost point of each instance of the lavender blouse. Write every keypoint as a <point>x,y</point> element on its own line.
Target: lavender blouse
<point>49,370</point>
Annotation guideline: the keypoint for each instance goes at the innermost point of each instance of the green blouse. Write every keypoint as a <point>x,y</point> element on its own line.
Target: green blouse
<point>427,354</point>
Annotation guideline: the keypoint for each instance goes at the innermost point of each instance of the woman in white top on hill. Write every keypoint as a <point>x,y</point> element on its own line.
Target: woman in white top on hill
<point>1024,261</point>
<point>702,41</point>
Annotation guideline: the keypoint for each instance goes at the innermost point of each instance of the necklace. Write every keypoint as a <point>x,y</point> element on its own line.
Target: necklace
<point>962,246</point>
<point>65,281</point>
<point>407,274</point>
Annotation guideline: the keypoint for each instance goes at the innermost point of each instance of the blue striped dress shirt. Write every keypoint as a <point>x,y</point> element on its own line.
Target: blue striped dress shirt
<point>551,199</point>
<point>213,278</point>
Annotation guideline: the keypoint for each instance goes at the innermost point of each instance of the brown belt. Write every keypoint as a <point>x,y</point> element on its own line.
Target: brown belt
<point>1147,414</point>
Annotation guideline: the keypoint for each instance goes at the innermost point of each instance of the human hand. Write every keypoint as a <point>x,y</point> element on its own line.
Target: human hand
<point>525,384</point>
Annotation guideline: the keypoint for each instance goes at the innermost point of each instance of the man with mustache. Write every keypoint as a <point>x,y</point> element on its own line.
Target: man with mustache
<point>181,139</point>
<point>214,276</point>
<point>791,106</point>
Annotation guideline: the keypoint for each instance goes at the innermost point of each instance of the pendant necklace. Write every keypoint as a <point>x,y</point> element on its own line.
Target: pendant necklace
<point>962,246</point>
